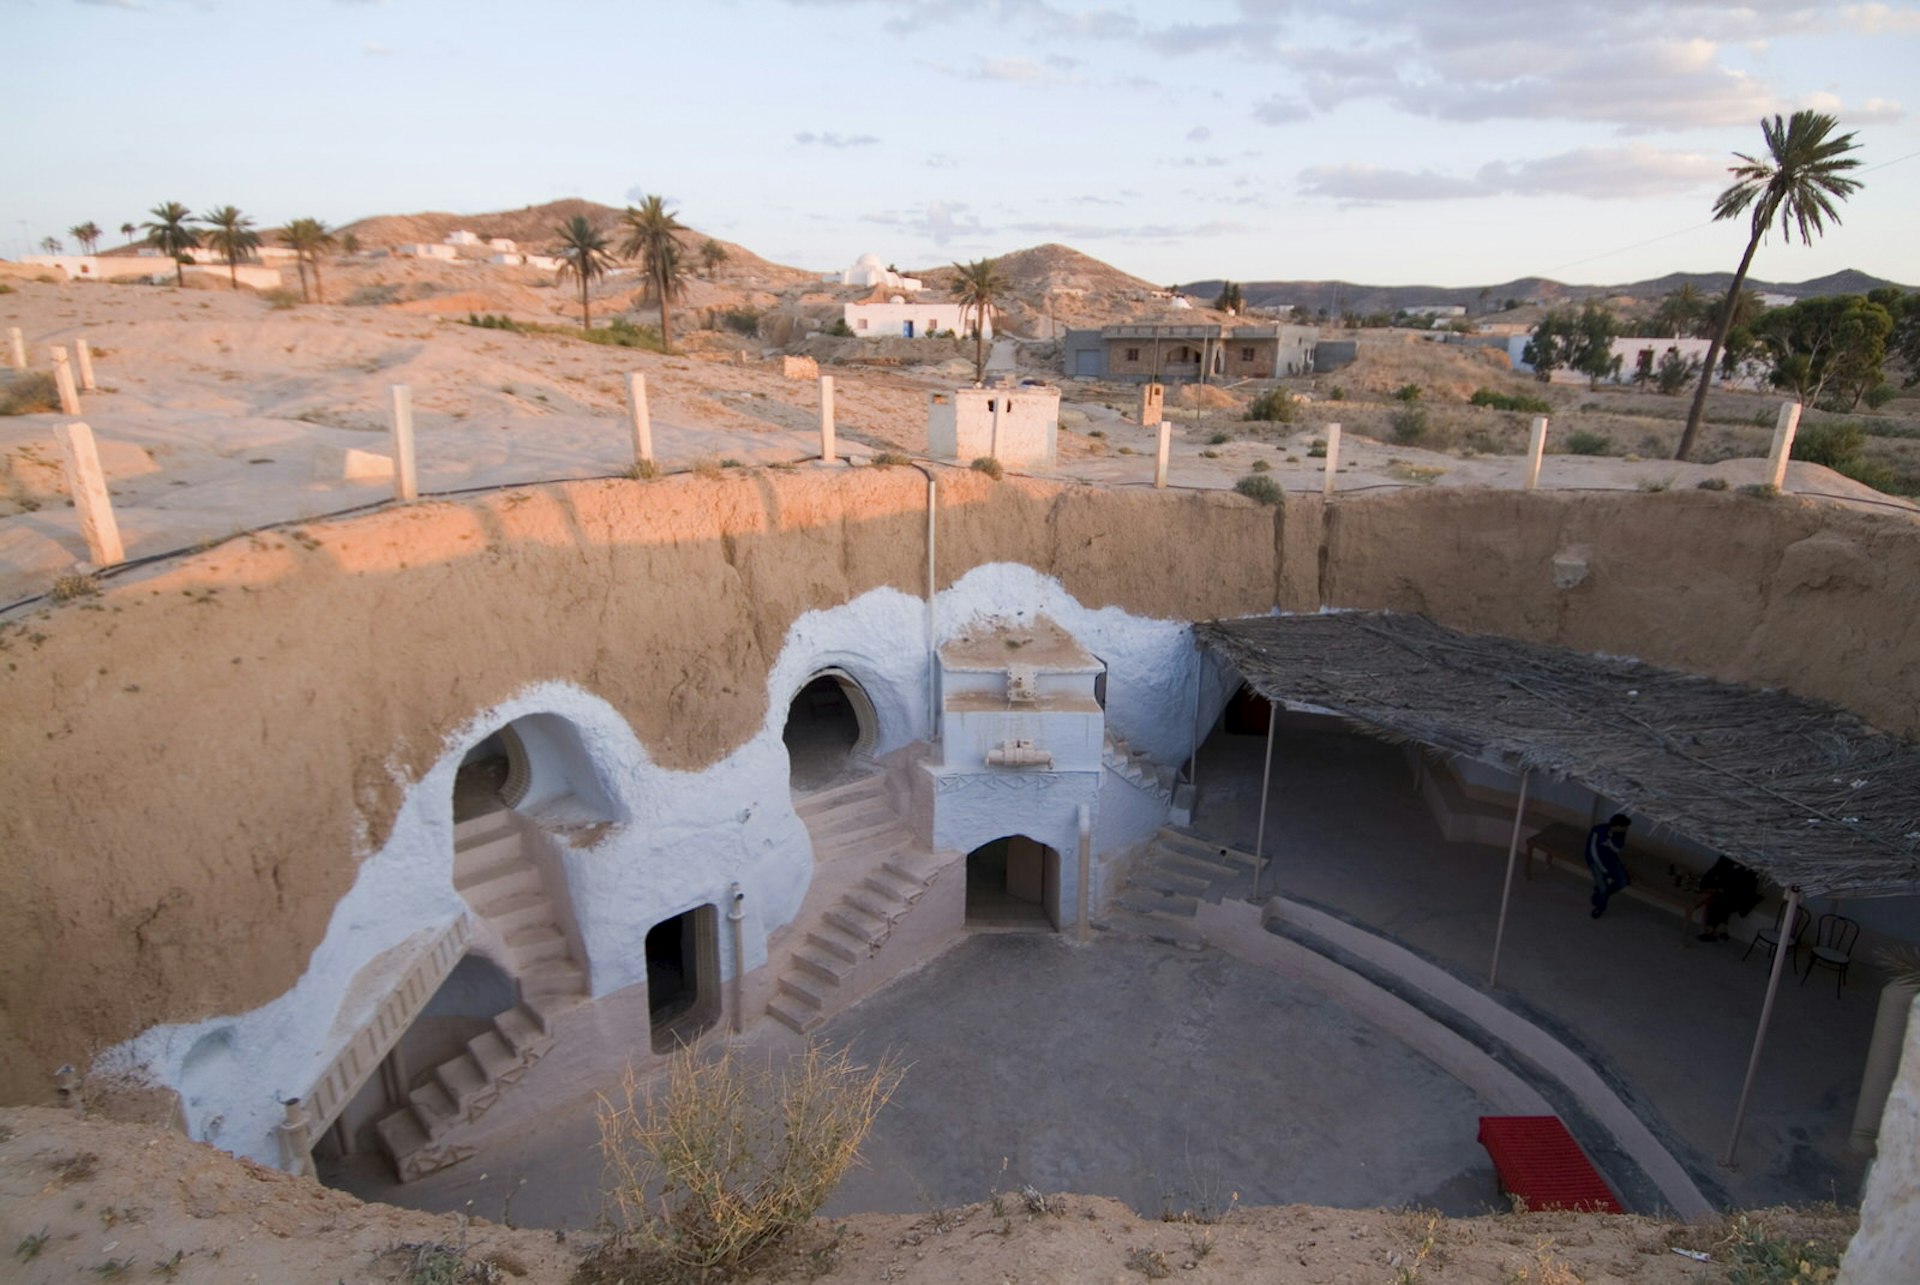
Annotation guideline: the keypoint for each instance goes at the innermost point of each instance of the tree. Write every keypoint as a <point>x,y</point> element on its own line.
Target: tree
<point>349,243</point>
<point>87,234</point>
<point>1551,344</point>
<point>1904,344</point>
<point>127,230</point>
<point>712,255</point>
<point>1229,300</point>
<point>170,235</point>
<point>1593,335</point>
<point>584,256</point>
<point>308,239</point>
<point>1681,312</point>
<point>232,235</point>
<point>977,286</point>
<point>653,238</point>
<point>1675,373</point>
<point>1803,172</point>
<point>51,244</point>
<point>1829,351</point>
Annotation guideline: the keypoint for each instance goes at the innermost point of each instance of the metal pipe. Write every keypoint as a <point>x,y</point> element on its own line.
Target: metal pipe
<point>1506,888</point>
<point>736,916</point>
<point>1083,927</point>
<point>1260,834</point>
<point>933,645</point>
<point>1780,949</point>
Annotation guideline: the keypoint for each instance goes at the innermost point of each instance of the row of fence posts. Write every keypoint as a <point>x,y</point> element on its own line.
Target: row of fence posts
<point>86,481</point>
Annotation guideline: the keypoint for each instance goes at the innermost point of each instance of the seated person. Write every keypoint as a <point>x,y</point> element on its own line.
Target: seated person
<point>1729,889</point>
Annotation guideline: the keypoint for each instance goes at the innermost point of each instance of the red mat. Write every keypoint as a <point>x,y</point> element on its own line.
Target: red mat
<point>1538,1161</point>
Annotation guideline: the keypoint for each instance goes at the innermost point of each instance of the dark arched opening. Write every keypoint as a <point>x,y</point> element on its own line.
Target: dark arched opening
<point>1013,882</point>
<point>830,730</point>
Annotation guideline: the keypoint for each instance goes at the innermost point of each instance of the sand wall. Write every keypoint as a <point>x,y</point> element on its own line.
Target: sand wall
<point>203,754</point>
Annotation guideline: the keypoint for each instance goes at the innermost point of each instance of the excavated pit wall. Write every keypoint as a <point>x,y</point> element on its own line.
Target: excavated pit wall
<point>205,754</point>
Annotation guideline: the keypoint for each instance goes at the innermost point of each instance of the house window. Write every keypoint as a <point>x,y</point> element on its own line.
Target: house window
<point>1246,354</point>
<point>1133,354</point>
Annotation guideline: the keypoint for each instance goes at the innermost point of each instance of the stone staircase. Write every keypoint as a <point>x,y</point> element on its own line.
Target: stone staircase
<point>1168,881</point>
<point>1133,766</point>
<point>492,871</point>
<point>418,1137</point>
<point>856,831</point>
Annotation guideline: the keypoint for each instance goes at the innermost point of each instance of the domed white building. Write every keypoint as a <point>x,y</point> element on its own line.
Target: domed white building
<point>868,271</point>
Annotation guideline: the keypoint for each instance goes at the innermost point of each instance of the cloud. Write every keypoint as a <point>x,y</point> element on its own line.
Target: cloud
<point>1199,134</point>
<point>807,138</point>
<point>1195,162</point>
<point>374,49</point>
<point>939,221</point>
<point>1277,109</point>
<point>112,4</point>
<point>942,161</point>
<point>1634,172</point>
<point>1877,18</point>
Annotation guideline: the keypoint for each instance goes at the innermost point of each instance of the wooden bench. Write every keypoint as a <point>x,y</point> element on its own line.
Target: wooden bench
<point>1537,1160</point>
<point>1568,843</point>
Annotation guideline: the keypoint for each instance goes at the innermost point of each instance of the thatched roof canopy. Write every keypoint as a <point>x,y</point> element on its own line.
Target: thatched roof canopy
<point>1801,791</point>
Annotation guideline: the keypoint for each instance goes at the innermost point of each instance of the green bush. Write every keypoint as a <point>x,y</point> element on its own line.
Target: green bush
<point>1337,395</point>
<point>1880,394</point>
<point>1833,445</point>
<point>494,321</point>
<point>744,320</point>
<point>1259,487</point>
<point>29,393</point>
<point>988,465</point>
<point>1263,466</point>
<point>1504,401</point>
<point>1586,442</point>
<point>1272,407</point>
<point>1713,484</point>
<point>1409,425</point>
<point>1220,439</point>
<point>1407,393</point>
<point>840,329</point>
<point>621,333</point>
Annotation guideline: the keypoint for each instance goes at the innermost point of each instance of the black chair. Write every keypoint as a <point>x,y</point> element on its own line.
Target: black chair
<point>1833,948</point>
<point>1770,937</point>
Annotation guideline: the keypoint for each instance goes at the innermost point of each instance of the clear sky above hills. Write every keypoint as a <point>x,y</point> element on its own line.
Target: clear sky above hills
<point>1453,142</point>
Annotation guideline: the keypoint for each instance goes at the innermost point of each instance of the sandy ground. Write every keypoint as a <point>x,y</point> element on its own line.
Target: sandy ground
<point>84,1199</point>
<point>221,412</point>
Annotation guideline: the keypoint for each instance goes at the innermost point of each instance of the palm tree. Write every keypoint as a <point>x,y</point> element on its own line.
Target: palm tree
<point>1680,313</point>
<point>87,234</point>
<point>583,254</point>
<point>308,238</point>
<point>712,255</point>
<point>977,287</point>
<point>232,235</point>
<point>51,244</point>
<point>127,230</point>
<point>170,234</point>
<point>1800,176</point>
<point>652,237</point>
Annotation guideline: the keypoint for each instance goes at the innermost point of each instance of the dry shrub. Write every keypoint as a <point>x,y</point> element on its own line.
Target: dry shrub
<point>1204,397</point>
<point>29,393</point>
<point>724,1159</point>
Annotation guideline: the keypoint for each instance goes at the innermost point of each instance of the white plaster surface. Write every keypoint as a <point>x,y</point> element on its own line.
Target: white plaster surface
<point>1887,1246</point>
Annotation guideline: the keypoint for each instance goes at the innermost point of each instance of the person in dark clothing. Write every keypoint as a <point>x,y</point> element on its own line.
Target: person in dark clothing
<point>1730,889</point>
<point>1605,843</point>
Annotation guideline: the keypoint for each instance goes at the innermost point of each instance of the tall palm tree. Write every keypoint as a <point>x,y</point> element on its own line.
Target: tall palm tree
<point>51,244</point>
<point>652,237</point>
<point>1799,178</point>
<point>583,255</point>
<point>233,235</point>
<point>170,235</point>
<point>127,230</point>
<point>977,287</point>
<point>87,234</point>
<point>308,239</point>
<point>712,255</point>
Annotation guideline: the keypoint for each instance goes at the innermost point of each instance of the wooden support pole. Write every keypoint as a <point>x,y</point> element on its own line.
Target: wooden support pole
<point>1780,949</point>
<point>16,348</point>
<point>642,418</point>
<point>827,453</point>
<point>1513,852</point>
<point>406,483</point>
<point>88,487</point>
<point>63,380</point>
<point>1266,779</point>
<point>1333,458</point>
<point>1784,429</point>
<point>83,358</point>
<point>1161,451</point>
<point>1536,447</point>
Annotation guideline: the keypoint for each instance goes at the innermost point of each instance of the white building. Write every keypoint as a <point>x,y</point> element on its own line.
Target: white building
<point>1436,310</point>
<point>868,271</point>
<point>1020,427</point>
<point>93,267</point>
<point>896,318</point>
<point>502,244</point>
<point>463,237</point>
<point>425,250</point>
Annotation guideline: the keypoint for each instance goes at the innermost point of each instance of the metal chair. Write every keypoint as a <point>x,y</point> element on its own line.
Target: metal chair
<point>1833,948</point>
<point>1770,937</point>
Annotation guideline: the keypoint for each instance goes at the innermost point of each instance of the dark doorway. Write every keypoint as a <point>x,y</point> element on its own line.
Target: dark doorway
<point>1013,883</point>
<point>483,782</point>
<point>827,731</point>
<point>683,977</point>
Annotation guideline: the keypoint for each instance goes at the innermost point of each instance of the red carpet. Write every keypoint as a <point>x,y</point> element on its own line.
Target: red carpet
<point>1538,1161</point>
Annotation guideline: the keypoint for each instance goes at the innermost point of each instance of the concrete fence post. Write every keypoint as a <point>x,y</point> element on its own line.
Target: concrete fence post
<point>1161,451</point>
<point>998,402</point>
<point>88,487</point>
<point>1536,447</point>
<point>1333,459</point>
<point>642,419</point>
<point>827,453</point>
<point>406,483</point>
<point>1784,429</point>
<point>83,358</point>
<point>63,380</point>
<point>16,348</point>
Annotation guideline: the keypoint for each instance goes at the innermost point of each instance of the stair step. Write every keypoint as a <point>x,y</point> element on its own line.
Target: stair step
<point>537,943</point>
<point>853,794</point>
<point>823,966</point>
<point>516,909</point>
<point>800,1020</point>
<point>1180,863</point>
<point>913,866</point>
<point>881,905</point>
<point>1147,903</point>
<point>483,828</point>
<point>1190,845</point>
<point>1173,932</point>
<point>494,1056</point>
<point>400,1135</point>
<point>800,992</point>
<point>1156,878</point>
<point>839,943</point>
<point>462,1080</point>
<point>497,874</point>
<point>553,978</point>
<point>856,829</point>
<point>864,925</point>
<point>889,884</point>
<point>437,1112</point>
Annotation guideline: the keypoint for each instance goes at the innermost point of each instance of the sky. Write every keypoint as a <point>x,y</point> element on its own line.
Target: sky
<point>1445,142</point>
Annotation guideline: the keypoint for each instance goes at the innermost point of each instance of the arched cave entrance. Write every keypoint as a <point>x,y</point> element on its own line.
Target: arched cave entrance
<point>1013,882</point>
<point>831,728</point>
<point>492,775</point>
<point>683,977</point>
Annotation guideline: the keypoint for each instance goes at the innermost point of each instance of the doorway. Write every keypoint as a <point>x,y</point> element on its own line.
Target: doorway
<point>830,729</point>
<point>683,977</point>
<point>1013,883</point>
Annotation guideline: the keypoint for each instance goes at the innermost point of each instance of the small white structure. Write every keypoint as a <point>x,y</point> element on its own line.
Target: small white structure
<point>896,318</point>
<point>254,276</point>
<point>463,237</point>
<point>961,425</point>
<point>1438,310</point>
<point>869,272</point>
<point>545,262</point>
<point>93,267</point>
<point>424,250</point>
<point>507,260</point>
<point>502,244</point>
